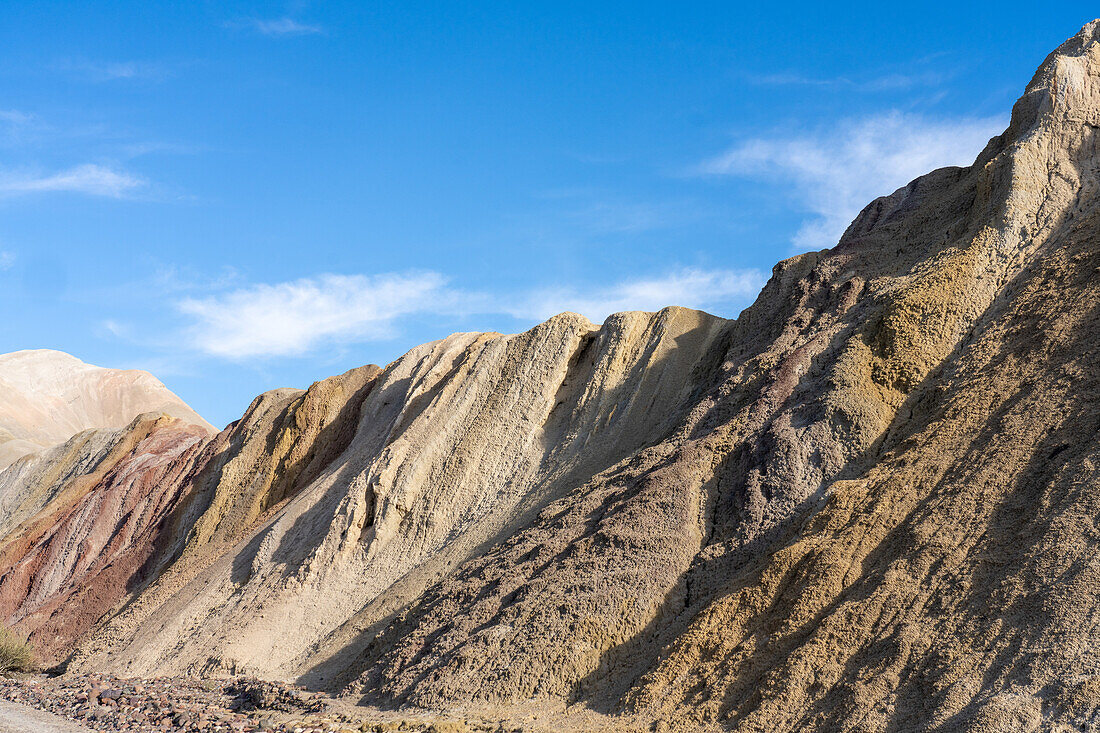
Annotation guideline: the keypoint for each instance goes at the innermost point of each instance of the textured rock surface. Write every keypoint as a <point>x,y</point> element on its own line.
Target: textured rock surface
<point>950,581</point>
<point>88,524</point>
<point>46,397</point>
<point>869,503</point>
<point>99,534</point>
<point>457,443</point>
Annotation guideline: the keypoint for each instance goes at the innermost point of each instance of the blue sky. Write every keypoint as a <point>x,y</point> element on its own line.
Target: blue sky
<point>241,196</point>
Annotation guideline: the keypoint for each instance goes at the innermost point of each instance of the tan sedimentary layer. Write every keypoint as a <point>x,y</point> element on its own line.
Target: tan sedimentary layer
<point>456,441</point>
<point>91,522</point>
<point>286,438</point>
<point>835,363</point>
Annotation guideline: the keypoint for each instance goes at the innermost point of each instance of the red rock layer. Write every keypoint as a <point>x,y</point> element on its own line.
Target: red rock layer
<point>163,494</point>
<point>98,541</point>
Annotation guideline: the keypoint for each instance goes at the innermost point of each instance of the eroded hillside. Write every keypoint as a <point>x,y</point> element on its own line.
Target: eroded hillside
<point>869,503</point>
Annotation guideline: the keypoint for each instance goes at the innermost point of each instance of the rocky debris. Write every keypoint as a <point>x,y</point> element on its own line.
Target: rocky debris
<point>111,705</point>
<point>254,694</point>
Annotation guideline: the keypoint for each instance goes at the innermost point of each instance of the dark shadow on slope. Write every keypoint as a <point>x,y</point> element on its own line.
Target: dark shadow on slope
<point>344,666</point>
<point>1003,525</point>
<point>758,327</point>
<point>325,449</point>
<point>1023,518</point>
<point>708,579</point>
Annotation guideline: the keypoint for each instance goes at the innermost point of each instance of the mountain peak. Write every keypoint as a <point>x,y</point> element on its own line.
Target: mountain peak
<point>47,396</point>
<point>1065,87</point>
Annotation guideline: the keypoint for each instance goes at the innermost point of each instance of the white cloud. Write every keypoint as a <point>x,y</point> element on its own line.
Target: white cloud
<point>884,83</point>
<point>295,318</point>
<point>93,180</point>
<point>284,27</point>
<point>7,259</point>
<point>104,71</point>
<point>691,288</point>
<point>835,173</point>
<point>292,318</point>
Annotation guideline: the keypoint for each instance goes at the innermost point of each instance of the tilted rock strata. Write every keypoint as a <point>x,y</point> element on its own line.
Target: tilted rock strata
<point>867,504</point>
<point>457,442</point>
<point>952,584</point>
<point>90,523</point>
<point>285,439</point>
<point>246,473</point>
<point>950,296</point>
<point>95,539</point>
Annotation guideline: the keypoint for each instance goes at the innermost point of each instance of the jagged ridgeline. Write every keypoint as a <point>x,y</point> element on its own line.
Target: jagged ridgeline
<point>869,503</point>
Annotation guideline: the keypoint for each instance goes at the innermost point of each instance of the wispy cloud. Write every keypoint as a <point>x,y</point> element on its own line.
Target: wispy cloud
<point>104,71</point>
<point>587,211</point>
<point>15,117</point>
<point>90,179</point>
<point>18,127</point>
<point>689,287</point>
<point>138,149</point>
<point>279,27</point>
<point>7,260</point>
<point>175,279</point>
<point>883,83</point>
<point>834,173</point>
<point>295,318</point>
<point>600,215</point>
<point>115,329</point>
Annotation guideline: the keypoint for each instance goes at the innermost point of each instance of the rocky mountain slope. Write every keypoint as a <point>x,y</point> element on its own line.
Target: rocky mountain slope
<point>869,503</point>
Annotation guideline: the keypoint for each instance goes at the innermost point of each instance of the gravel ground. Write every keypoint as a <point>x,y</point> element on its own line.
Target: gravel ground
<point>106,704</point>
<point>112,705</point>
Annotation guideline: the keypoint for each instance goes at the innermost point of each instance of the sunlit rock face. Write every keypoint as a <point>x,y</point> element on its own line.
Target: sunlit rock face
<point>868,503</point>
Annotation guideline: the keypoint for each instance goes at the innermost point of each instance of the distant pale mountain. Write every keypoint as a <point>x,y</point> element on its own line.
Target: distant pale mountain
<point>48,396</point>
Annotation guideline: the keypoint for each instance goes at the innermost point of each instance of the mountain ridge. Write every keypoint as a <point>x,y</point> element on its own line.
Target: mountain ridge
<point>868,503</point>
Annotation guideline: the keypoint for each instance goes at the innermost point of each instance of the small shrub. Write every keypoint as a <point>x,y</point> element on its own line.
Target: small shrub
<point>16,654</point>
